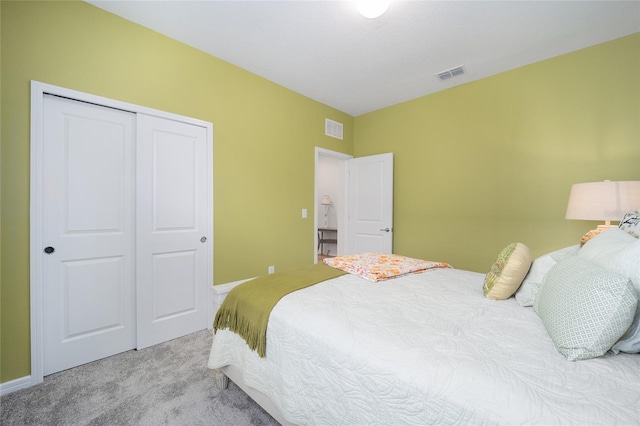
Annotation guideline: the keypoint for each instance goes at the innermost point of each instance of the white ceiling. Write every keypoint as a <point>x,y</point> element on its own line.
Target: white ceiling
<point>325,50</point>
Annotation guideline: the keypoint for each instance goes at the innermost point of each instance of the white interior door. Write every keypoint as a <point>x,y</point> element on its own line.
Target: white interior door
<point>172,230</point>
<point>88,233</point>
<point>370,201</point>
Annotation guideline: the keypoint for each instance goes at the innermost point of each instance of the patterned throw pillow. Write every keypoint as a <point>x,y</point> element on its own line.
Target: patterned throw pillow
<point>584,307</point>
<point>631,223</point>
<point>507,272</point>
<point>619,252</point>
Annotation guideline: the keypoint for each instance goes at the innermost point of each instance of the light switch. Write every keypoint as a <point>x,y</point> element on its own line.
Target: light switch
<point>304,213</point>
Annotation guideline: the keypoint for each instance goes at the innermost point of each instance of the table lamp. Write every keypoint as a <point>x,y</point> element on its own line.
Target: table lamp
<point>606,201</point>
<point>326,202</point>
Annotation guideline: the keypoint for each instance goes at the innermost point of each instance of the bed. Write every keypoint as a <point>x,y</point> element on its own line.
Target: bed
<point>431,348</point>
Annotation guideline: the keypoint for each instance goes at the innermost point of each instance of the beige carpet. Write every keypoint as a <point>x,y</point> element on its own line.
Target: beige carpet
<point>167,384</point>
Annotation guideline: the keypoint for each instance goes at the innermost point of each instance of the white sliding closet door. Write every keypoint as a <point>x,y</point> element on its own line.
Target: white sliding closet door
<point>171,229</point>
<point>88,233</point>
<point>122,228</point>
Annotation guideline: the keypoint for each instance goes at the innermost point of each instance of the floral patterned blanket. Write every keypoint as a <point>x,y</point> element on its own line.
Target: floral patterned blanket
<point>378,267</point>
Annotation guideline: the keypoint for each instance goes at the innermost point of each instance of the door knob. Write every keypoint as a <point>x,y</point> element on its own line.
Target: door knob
<point>386,229</point>
<point>203,239</point>
<point>49,250</point>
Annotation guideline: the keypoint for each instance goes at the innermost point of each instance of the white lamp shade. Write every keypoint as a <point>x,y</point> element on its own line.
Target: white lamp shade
<point>325,200</point>
<point>603,200</point>
<point>373,8</point>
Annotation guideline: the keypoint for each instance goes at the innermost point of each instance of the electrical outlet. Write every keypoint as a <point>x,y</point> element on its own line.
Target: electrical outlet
<point>304,213</point>
<point>271,269</point>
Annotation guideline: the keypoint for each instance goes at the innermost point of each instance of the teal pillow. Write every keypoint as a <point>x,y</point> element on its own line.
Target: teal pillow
<point>585,308</point>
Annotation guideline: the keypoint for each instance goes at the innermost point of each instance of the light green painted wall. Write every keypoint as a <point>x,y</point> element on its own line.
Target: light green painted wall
<point>476,167</point>
<point>491,162</point>
<point>264,140</point>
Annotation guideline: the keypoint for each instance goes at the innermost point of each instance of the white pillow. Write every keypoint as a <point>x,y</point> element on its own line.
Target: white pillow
<point>526,294</point>
<point>619,252</point>
<point>585,308</point>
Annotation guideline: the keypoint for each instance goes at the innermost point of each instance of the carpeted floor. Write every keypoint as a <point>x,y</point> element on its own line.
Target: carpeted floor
<point>167,384</point>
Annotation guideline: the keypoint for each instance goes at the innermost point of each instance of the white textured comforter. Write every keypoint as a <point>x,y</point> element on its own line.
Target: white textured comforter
<point>425,349</point>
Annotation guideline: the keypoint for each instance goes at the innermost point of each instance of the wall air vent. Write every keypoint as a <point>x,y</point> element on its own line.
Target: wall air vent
<point>453,72</point>
<point>332,128</point>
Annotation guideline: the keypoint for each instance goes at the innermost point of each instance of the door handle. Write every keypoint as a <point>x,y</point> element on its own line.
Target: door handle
<point>49,250</point>
<point>386,230</point>
<point>203,239</point>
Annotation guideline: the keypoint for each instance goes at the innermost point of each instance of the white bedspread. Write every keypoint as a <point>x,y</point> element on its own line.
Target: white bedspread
<point>425,349</point>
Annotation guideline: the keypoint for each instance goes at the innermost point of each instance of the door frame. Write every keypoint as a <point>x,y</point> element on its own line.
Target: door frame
<point>38,90</point>
<point>342,230</point>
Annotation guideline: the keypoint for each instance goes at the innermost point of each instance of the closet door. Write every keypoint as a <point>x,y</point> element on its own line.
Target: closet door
<point>88,233</point>
<point>172,229</point>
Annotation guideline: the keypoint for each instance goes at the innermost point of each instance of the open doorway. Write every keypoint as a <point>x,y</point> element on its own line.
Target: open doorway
<point>353,204</point>
<point>330,203</point>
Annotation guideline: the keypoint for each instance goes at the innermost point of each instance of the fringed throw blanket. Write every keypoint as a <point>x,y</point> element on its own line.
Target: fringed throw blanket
<point>247,307</point>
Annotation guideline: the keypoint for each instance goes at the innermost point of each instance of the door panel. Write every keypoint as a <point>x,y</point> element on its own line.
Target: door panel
<point>370,223</point>
<point>172,231</point>
<point>175,182</point>
<point>168,298</point>
<point>98,160</point>
<point>94,289</point>
<point>88,220</point>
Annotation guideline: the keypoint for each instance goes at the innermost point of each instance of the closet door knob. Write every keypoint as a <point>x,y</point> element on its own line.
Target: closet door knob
<point>49,250</point>
<point>203,239</point>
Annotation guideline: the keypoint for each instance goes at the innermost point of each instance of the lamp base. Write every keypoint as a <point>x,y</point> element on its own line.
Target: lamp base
<point>589,235</point>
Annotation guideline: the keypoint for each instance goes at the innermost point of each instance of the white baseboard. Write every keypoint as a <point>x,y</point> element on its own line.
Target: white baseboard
<point>14,385</point>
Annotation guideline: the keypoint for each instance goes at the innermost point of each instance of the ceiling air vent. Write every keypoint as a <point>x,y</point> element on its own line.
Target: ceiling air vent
<point>453,72</point>
<point>332,128</point>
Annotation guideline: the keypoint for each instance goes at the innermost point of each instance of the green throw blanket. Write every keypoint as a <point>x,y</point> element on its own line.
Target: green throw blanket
<point>247,307</point>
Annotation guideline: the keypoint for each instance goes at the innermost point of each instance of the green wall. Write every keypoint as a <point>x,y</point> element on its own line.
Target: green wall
<point>264,140</point>
<point>491,162</point>
<point>476,166</point>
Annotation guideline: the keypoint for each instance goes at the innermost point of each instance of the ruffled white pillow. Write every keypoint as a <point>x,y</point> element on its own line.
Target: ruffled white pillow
<point>526,294</point>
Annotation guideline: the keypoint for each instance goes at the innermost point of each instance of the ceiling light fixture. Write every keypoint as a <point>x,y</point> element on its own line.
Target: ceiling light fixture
<point>373,8</point>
